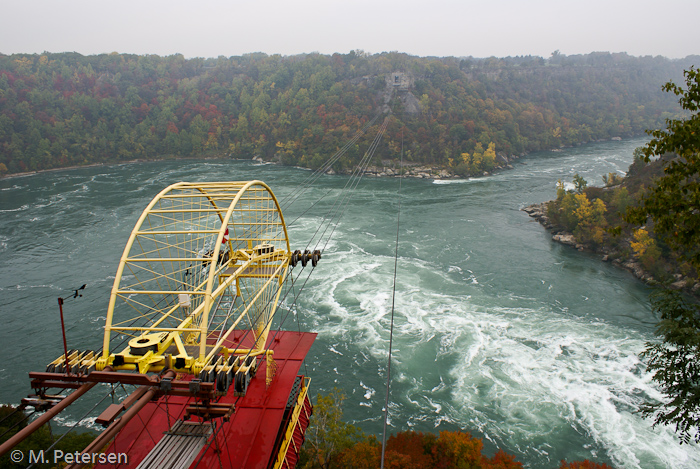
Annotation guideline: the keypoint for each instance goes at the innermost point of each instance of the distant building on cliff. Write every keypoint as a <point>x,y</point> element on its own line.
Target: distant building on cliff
<point>400,80</point>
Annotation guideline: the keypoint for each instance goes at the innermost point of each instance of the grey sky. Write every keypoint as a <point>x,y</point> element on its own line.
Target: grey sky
<point>428,27</point>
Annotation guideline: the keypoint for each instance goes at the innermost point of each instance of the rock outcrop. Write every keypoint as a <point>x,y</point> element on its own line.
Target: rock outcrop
<point>539,213</point>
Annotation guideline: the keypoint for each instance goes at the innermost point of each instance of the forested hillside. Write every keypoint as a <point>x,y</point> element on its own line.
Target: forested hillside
<point>66,109</point>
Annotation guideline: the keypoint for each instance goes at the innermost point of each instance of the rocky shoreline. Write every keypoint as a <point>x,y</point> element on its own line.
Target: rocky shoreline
<point>539,213</point>
<point>389,168</point>
<point>420,172</point>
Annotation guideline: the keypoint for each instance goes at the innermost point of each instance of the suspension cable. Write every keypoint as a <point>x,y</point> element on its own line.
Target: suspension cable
<point>19,422</point>
<point>14,411</point>
<point>338,208</point>
<point>288,200</point>
<point>346,199</point>
<point>334,213</point>
<point>393,298</point>
<point>74,425</point>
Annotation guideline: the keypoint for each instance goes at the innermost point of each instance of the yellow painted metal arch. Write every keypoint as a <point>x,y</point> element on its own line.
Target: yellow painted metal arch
<point>181,232</point>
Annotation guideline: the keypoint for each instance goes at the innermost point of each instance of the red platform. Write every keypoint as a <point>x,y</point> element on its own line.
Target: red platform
<point>248,439</point>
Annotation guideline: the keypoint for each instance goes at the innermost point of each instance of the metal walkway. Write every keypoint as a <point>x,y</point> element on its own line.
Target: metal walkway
<point>178,448</point>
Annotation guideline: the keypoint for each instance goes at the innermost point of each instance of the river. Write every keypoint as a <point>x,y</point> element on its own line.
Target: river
<point>528,344</point>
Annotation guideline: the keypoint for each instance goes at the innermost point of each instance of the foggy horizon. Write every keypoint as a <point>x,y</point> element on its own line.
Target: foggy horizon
<point>447,28</point>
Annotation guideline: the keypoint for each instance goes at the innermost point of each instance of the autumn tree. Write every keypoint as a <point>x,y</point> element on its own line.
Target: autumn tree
<point>645,248</point>
<point>416,450</point>
<point>591,219</point>
<point>333,444</point>
<point>328,435</point>
<point>488,160</point>
<point>457,449</point>
<point>586,464</point>
<point>612,179</point>
<point>477,160</point>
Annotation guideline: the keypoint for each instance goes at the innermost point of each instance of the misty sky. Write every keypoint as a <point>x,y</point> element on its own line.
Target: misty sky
<point>203,28</point>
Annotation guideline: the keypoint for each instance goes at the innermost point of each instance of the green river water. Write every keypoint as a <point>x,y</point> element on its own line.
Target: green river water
<point>499,331</point>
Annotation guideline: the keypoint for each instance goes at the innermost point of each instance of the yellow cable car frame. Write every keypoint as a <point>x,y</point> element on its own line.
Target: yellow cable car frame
<point>203,260</point>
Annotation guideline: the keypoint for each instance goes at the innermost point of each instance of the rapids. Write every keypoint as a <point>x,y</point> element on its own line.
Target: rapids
<point>499,331</point>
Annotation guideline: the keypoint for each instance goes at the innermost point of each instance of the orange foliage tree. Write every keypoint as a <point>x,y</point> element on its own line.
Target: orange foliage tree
<point>583,465</point>
<point>412,450</point>
<point>334,444</point>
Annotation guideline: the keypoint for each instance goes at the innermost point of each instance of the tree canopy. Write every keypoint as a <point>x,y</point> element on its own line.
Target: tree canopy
<point>672,208</point>
<point>66,109</point>
<point>673,203</point>
<point>675,364</point>
<point>332,443</point>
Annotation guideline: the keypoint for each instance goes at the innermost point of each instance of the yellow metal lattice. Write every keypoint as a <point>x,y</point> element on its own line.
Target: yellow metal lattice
<point>203,259</point>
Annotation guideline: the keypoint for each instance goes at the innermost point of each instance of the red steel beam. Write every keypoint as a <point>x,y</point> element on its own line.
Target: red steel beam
<point>54,380</point>
<point>48,415</point>
<point>111,431</point>
<point>110,413</point>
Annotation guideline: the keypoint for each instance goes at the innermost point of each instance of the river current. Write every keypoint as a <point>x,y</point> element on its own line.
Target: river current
<point>528,344</point>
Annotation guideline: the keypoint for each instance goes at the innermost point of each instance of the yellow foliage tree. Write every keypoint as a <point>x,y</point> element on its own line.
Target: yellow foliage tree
<point>645,248</point>
<point>642,242</point>
<point>599,210</point>
<point>584,209</point>
<point>591,219</point>
<point>561,191</point>
<point>489,159</point>
<point>477,158</point>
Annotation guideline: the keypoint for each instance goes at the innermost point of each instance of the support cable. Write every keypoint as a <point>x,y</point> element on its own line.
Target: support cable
<point>346,199</point>
<point>393,301</point>
<point>334,213</point>
<point>74,425</point>
<point>288,200</point>
<point>338,209</point>
<point>19,422</point>
<point>341,203</point>
<point>353,182</point>
<point>16,410</point>
<point>359,169</point>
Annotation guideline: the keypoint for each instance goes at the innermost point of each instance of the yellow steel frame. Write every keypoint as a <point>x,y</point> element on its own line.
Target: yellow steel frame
<point>202,260</point>
<point>291,427</point>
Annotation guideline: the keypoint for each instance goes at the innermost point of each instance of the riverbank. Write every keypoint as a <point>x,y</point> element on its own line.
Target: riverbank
<point>389,168</point>
<point>393,168</point>
<point>106,164</point>
<point>616,257</point>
